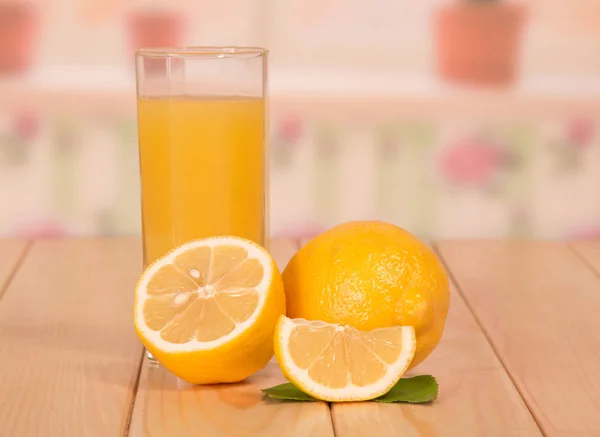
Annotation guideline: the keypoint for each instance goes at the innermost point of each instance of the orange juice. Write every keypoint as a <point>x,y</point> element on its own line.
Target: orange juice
<point>202,163</point>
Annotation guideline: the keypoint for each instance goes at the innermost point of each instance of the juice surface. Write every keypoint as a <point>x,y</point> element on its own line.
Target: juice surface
<point>202,163</point>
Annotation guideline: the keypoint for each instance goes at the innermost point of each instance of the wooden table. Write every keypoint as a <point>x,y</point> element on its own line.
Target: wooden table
<point>520,355</point>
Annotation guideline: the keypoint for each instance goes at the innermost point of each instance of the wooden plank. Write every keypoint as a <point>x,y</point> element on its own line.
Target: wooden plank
<point>538,304</point>
<point>476,395</point>
<point>590,252</point>
<point>69,358</point>
<point>165,406</point>
<point>11,252</point>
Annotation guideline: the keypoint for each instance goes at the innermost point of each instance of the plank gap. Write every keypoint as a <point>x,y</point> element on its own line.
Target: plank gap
<point>586,258</point>
<point>486,334</point>
<point>134,390</point>
<point>15,268</point>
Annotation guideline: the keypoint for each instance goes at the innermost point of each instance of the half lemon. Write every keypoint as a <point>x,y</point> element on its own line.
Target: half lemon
<point>338,363</point>
<point>208,309</point>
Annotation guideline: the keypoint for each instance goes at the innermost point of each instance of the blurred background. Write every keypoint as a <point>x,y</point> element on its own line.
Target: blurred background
<point>454,119</point>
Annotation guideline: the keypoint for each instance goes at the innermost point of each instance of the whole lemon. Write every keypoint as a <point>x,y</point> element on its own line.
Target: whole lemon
<point>370,275</point>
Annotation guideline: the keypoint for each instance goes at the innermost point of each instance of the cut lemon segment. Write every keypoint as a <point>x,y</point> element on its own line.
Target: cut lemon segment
<point>338,363</point>
<point>208,309</point>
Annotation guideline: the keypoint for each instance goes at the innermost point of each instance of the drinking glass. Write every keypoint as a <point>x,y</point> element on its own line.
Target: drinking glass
<point>202,144</point>
<point>201,125</point>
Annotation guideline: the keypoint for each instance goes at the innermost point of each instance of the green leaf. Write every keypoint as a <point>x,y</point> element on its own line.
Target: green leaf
<point>416,390</point>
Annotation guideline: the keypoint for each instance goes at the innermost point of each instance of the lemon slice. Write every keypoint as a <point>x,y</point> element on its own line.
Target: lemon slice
<point>338,363</point>
<point>208,309</point>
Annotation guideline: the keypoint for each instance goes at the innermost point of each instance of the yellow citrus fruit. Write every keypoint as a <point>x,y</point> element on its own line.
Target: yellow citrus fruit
<point>370,275</point>
<point>338,363</point>
<point>207,310</point>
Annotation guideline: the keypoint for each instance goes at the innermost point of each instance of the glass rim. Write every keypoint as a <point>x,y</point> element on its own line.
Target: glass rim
<point>200,51</point>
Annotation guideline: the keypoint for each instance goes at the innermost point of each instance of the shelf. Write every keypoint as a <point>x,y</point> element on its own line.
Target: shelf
<point>77,88</point>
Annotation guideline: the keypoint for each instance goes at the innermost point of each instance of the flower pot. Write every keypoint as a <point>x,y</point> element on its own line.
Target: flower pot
<point>155,29</point>
<point>478,42</point>
<point>18,32</point>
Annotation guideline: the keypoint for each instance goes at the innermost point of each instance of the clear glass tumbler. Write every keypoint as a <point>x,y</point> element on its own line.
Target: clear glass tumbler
<point>202,144</point>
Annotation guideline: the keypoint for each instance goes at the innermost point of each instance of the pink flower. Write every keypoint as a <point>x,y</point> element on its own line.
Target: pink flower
<point>42,230</point>
<point>472,162</point>
<point>289,128</point>
<point>26,125</point>
<point>592,233</point>
<point>580,132</point>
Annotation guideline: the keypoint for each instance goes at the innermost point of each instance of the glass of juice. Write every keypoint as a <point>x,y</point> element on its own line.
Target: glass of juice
<point>202,144</point>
